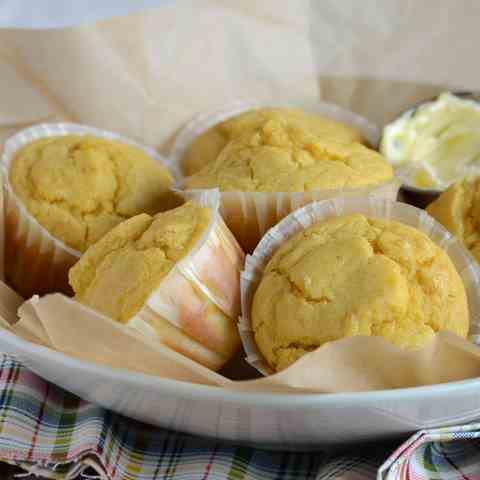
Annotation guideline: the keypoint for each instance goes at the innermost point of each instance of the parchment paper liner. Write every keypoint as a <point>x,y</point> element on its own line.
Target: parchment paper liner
<point>369,205</point>
<point>36,261</point>
<point>250,214</point>
<point>136,87</point>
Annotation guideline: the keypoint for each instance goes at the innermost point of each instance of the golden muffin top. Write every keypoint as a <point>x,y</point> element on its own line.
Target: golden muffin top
<point>281,157</point>
<point>354,275</point>
<point>79,187</point>
<point>208,145</point>
<point>117,274</point>
<point>458,210</point>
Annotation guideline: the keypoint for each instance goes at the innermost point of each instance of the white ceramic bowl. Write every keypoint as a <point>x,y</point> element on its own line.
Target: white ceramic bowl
<point>280,421</point>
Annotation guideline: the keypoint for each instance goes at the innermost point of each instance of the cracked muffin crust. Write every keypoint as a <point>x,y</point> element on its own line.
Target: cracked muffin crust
<point>118,273</point>
<point>458,210</point>
<point>208,145</point>
<point>280,156</point>
<point>354,275</point>
<point>79,187</point>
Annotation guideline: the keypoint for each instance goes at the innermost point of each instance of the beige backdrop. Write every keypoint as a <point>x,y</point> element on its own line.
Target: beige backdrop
<point>146,74</point>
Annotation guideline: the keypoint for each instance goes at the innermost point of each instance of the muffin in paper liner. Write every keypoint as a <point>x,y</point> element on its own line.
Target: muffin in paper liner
<point>36,261</point>
<point>369,205</point>
<point>250,214</point>
<point>195,307</point>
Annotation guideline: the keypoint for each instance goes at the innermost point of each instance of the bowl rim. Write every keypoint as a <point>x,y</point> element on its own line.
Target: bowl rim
<point>183,389</point>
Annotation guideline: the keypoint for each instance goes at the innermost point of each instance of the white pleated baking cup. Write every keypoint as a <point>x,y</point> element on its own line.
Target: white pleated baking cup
<point>204,121</point>
<point>249,215</point>
<point>39,261</point>
<point>195,308</point>
<point>372,206</point>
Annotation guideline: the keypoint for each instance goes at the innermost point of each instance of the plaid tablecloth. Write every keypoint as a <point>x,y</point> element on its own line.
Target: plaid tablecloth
<point>53,434</point>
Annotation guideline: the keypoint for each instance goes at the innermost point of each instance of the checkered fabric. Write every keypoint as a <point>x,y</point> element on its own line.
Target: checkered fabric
<point>53,434</point>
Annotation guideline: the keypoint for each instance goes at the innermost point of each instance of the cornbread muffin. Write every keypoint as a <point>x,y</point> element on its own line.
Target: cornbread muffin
<point>79,187</point>
<point>458,210</point>
<point>126,277</point>
<point>208,145</point>
<point>354,275</point>
<point>117,274</point>
<point>279,156</point>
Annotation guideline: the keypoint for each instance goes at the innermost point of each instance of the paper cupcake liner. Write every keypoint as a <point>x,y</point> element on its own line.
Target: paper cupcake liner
<point>250,214</point>
<point>36,261</point>
<point>195,308</point>
<point>372,206</point>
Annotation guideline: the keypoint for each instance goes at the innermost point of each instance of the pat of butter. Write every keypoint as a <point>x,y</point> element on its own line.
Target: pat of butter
<point>439,142</point>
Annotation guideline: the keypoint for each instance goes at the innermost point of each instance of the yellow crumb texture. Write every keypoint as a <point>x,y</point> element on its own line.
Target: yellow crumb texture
<point>117,275</point>
<point>208,145</point>
<point>79,187</point>
<point>458,210</point>
<point>354,275</point>
<point>281,157</point>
